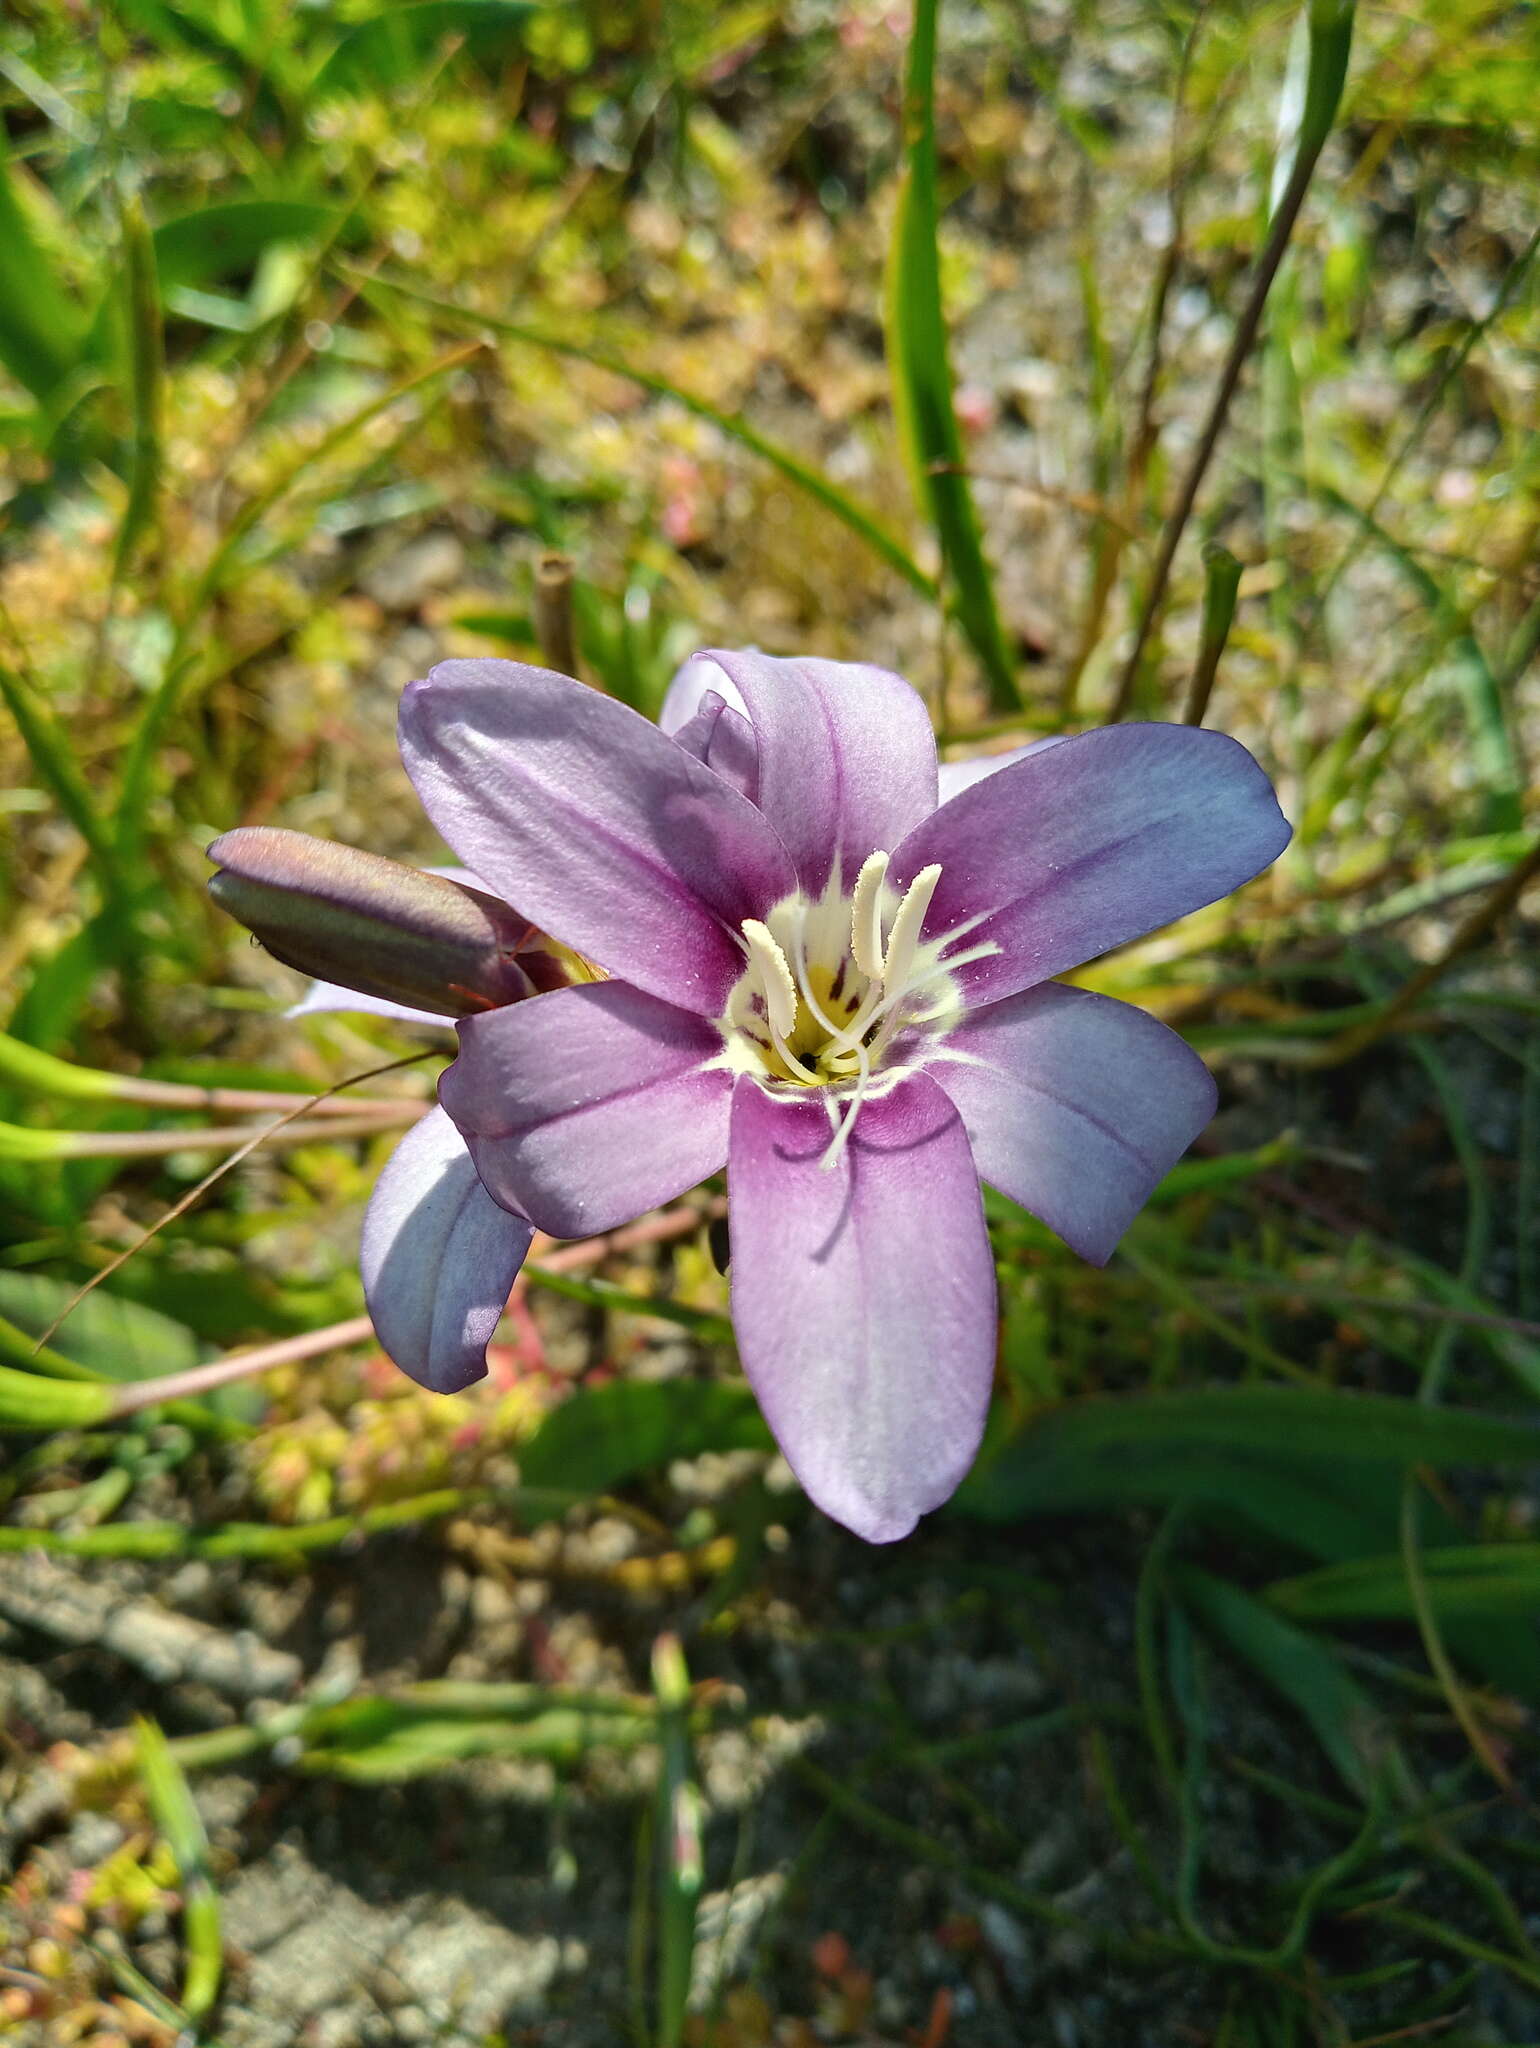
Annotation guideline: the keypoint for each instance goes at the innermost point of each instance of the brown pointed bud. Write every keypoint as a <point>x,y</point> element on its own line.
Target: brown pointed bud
<point>373,925</point>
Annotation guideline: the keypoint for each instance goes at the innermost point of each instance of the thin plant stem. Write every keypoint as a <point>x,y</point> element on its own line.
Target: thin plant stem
<point>130,1398</point>
<point>1330,30</point>
<point>252,1140</point>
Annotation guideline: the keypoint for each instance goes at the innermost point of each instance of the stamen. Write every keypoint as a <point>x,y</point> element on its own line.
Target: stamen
<point>775,978</point>
<point>866,915</point>
<point>804,980</point>
<point>898,963</point>
<point>841,1138</point>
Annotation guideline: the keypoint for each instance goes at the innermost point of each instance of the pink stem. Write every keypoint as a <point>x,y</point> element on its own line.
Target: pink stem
<point>230,1137</point>
<point>186,1095</point>
<point>239,1365</point>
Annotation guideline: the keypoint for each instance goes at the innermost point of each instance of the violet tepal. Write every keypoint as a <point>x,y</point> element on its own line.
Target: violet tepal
<point>797,946</point>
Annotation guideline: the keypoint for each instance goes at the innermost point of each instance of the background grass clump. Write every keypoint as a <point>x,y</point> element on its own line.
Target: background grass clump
<point>1077,362</point>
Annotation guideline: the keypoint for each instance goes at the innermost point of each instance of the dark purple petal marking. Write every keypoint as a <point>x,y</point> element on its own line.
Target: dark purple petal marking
<point>438,1258</point>
<point>589,1105</point>
<point>612,838</point>
<point>1076,1106</point>
<point>847,757</point>
<point>1077,848</point>
<point>863,1297</point>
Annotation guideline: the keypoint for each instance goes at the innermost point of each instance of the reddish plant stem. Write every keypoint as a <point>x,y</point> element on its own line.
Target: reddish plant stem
<point>241,1365</point>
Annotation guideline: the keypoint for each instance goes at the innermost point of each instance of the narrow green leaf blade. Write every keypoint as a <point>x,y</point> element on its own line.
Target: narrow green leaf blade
<point>180,1823</point>
<point>1302,1670</point>
<point>41,332</point>
<point>389,50</point>
<point>223,241</point>
<point>921,371</point>
<point>117,1339</point>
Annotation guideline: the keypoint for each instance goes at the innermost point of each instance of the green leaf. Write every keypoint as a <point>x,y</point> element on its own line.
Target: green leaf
<point>922,373</point>
<point>1479,1579</point>
<point>424,1727</point>
<point>390,50</point>
<point>41,332</point>
<point>146,382</point>
<point>1305,1672</point>
<point>117,1339</point>
<point>177,1818</point>
<point>224,241</point>
<point>31,1401</point>
<point>47,743</point>
<point>607,1434</point>
<point>1297,1463</point>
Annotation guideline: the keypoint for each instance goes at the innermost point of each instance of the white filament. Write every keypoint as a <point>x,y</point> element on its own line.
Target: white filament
<point>896,970</point>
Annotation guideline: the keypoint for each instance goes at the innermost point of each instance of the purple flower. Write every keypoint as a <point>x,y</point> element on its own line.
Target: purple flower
<point>809,966</point>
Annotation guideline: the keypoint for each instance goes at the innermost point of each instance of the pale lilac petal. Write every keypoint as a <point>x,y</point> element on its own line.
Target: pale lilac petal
<point>324,996</point>
<point>724,740</point>
<point>692,680</point>
<point>1082,846</point>
<point>864,1298</point>
<point>1076,1106</point>
<point>847,757</point>
<point>956,776</point>
<point>604,832</point>
<point>438,1258</point>
<point>586,1106</point>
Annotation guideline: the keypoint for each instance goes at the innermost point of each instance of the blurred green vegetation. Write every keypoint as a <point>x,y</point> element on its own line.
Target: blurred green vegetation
<point>791,325</point>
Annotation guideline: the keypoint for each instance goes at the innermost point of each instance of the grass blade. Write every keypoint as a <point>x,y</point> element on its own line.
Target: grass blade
<point>178,1819</point>
<point>41,334</point>
<point>1330,24</point>
<point>1303,1671</point>
<point>52,758</point>
<point>807,479</point>
<point>922,373</point>
<point>678,1835</point>
<point>146,379</point>
<point>1462,1579</point>
<point>1492,746</point>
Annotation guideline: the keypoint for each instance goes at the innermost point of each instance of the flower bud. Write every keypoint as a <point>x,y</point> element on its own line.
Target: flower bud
<point>376,926</point>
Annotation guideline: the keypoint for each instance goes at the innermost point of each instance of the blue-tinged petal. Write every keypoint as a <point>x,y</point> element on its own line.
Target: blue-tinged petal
<point>1079,847</point>
<point>606,834</point>
<point>438,1258</point>
<point>1076,1106</point>
<point>847,757</point>
<point>589,1105</point>
<point>863,1297</point>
